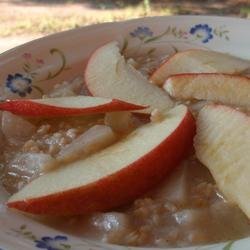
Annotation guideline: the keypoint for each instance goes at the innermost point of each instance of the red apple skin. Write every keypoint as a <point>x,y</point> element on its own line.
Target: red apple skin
<point>165,62</point>
<point>87,65</point>
<point>161,64</point>
<point>93,91</point>
<point>121,187</point>
<point>30,108</point>
<point>206,74</point>
<point>155,72</point>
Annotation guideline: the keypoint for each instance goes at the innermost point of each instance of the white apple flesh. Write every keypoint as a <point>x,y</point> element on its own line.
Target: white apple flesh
<point>65,106</point>
<point>221,88</point>
<point>114,176</point>
<point>222,144</point>
<point>108,75</point>
<point>199,61</point>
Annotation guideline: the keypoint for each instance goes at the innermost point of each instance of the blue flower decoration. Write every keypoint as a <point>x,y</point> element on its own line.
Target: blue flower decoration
<point>142,33</point>
<point>50,243</point>
<point>202,31</point>
<point>19,84</point>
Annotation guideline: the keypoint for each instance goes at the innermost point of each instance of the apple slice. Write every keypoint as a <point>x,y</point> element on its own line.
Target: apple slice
<point>210,86</point>
<point>108,75</point>
<point>222,144</point>
<point>199,61</point>
<point>115,175</point>
<point>62,106</point>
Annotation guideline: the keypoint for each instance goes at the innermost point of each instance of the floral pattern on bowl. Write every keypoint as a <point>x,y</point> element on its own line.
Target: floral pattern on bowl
<point>63,242</point>
<point>22,84</point>
<point>200,32</point>
<point>29,72</point>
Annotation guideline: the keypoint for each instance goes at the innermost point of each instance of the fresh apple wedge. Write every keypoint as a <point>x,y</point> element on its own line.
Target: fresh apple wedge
<point>108,75</point>
<point>61,106</point>
<point>199,61</point>
<point>215,87</point>
<point>222,144</point>
<point>114,176</point>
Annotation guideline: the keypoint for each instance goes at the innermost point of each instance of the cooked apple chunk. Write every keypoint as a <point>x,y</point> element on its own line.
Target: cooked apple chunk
<point>199,61</point>
<point>222,144</point>
<point>222,88</point>
<point>92,140</point>
<point>121,122</point>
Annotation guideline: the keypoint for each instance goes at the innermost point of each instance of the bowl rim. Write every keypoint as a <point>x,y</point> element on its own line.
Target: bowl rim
<point>100,25</point>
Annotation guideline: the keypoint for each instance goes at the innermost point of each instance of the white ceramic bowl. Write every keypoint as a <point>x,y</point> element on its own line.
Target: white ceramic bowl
<point>63,56</point>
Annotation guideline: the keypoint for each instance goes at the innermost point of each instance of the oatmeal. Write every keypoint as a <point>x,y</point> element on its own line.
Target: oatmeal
<point>49,139</point>
<point>187,208</point>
